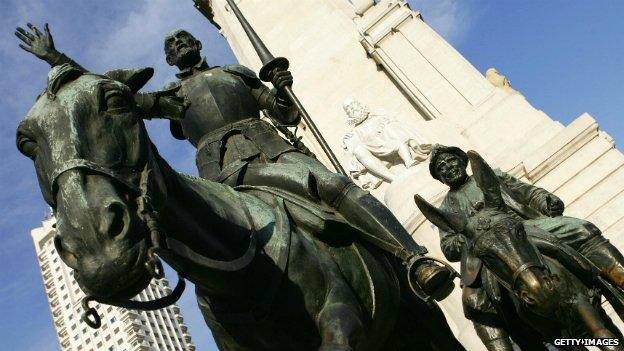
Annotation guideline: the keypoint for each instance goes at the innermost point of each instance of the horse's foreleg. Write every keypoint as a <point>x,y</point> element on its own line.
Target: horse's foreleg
<point>339,321</point>
<point>594,324</point>
<point>494,339</point>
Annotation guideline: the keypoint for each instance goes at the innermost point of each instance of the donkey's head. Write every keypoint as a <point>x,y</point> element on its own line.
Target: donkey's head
<point>89,147</point>
<point>498,238</point>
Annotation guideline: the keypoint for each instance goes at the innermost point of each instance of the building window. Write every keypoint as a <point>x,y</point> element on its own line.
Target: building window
<point>112,320</point>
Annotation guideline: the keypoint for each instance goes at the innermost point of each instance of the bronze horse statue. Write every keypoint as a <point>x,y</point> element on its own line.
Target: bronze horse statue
<point>537,297</point>
<point>264,280</point>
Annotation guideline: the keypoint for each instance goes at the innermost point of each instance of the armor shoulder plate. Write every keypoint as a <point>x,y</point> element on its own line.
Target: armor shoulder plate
<point>241,71</point>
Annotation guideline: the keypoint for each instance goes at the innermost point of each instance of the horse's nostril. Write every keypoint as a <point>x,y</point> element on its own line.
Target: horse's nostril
<point>114,219</point>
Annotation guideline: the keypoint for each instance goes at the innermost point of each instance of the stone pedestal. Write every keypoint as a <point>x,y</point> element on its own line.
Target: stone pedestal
<point>386,56</point>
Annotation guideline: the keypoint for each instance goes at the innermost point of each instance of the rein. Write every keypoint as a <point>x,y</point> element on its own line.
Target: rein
<point>150,218</point>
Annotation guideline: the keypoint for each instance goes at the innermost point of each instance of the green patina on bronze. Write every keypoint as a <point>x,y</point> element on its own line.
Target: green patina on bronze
<point>285,255</point>
<point>514,244</point>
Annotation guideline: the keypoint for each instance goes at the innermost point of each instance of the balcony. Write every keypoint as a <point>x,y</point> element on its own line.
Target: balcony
<point>132,327</point>
<point>129,315</point>
<point>183,328</point>
<point>65,343</point>
<point>45,266</point>
<point>175,309</point>
<point>62,333</point>
<point>47,275</point>
<point>190,347</point>
<point>54,301</point>
<point>186,337</point>
<point>136,338</point>
<point>52,294</point>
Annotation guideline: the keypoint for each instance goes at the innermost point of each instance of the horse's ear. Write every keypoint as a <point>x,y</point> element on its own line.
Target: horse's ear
<point>445,221</point>
<point>486,180</point>
<point>61,75</point>
<point>135,79</point>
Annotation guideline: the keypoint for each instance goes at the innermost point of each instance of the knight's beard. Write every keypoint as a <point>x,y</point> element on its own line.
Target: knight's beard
<point>186,56</point>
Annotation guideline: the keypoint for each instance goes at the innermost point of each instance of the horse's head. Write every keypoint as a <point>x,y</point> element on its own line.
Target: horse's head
<point>90,149</point>
<point>499,239</point>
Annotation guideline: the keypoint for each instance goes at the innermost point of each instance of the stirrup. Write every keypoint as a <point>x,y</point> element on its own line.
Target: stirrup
<point>415,262</point>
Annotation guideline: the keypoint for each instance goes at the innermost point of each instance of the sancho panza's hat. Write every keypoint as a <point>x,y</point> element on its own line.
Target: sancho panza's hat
<point>439,149</point>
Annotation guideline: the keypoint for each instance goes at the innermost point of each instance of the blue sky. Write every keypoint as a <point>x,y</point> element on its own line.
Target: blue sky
<point>566,57</point>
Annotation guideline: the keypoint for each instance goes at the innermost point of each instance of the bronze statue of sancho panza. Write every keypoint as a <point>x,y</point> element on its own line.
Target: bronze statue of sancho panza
<point>534,207</point>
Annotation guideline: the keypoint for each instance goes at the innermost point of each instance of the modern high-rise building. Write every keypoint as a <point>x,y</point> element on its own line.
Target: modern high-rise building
<point>122,329</point>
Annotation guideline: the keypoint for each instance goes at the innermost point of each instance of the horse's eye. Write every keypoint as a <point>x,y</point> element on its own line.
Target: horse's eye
<point>116,101</point>
<point>27,146</point>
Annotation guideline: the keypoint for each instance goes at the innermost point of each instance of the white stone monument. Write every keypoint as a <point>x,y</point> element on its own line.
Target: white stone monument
<point>385,54</point>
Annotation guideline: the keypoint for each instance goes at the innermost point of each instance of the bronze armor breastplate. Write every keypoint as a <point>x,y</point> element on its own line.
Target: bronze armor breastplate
<point>217,99</point>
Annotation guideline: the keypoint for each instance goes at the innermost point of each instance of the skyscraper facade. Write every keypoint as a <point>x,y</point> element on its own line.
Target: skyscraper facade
<point>122,329</point>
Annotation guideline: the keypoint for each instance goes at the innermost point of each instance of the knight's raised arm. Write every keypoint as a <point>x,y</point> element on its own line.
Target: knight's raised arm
<point>42,45</point>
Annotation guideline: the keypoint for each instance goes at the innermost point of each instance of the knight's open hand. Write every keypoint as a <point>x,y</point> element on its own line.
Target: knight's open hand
<point>38,43</point>
<point>554,206</point>
<point>282,79</point>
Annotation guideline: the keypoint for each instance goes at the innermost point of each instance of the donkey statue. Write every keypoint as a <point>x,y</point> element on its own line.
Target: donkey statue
<point>537,298</point>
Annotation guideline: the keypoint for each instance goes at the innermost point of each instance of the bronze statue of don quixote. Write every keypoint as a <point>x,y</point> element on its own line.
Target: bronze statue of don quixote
<point>284,253</point>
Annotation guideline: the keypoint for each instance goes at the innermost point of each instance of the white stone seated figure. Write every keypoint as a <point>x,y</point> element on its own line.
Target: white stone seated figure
<point>374,140</point>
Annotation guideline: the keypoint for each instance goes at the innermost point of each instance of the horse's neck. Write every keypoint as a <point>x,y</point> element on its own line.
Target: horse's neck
<point>208,217</point>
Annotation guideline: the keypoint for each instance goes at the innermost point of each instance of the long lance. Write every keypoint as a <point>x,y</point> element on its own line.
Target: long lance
<point>272,65</point>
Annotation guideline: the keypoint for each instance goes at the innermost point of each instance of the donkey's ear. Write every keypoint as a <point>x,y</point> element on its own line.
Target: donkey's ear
<point>486,180</point>
<point>440,218</point>
<point>135,79</point>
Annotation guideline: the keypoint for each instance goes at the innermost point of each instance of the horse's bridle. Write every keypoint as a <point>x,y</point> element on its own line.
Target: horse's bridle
<point>150,217</point>
<point>518,271</point>
<point>524,267</point>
